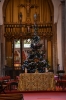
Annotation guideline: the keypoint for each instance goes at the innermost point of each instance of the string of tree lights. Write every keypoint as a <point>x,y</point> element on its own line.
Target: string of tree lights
<point>36,57</point>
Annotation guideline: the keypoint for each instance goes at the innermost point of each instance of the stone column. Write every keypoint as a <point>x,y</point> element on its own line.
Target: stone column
<point>2,40</point>
<point>63,31</point>
<point>65,39</point>
<point>0,50</point>
<point>55,55</point>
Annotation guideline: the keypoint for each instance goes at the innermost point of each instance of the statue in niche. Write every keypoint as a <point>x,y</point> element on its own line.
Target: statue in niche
<point>16,56</point>
<point>28,29</point>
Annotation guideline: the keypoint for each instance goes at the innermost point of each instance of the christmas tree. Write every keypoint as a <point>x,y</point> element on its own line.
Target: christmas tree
<point>36,57</point>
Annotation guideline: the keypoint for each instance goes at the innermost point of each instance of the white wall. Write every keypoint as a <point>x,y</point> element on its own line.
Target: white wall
<point>1,16</point>
<point>59,40</point>
<point>57,19</point>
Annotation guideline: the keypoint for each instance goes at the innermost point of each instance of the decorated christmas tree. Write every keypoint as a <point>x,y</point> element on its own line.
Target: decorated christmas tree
<point>36,56</point>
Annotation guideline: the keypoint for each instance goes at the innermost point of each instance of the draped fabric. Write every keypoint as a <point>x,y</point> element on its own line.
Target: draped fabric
<point>36,82</point>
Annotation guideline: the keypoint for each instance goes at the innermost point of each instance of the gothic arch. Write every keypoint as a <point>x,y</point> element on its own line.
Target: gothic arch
<point>49,2</point>
<point>4,6</point>
<point>50,7</point>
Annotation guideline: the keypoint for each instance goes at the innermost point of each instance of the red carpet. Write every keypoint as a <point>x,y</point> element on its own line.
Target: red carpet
<point>58,89</point>
<point>45,96</point>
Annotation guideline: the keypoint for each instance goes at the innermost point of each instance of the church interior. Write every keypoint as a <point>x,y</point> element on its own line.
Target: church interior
<point>33,43</point>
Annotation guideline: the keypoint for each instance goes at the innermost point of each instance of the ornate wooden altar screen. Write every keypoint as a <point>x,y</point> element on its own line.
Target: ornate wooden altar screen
<point>19,23</point>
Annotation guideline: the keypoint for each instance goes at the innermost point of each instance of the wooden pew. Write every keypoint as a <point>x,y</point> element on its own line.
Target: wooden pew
<point>9,82</point>
<point>15,96</point>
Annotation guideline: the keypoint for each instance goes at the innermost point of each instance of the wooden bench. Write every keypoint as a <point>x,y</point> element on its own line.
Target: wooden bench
<point>62,82</point>
<point>9,82</point>
<point>14,96</point>
<point>2,87</point>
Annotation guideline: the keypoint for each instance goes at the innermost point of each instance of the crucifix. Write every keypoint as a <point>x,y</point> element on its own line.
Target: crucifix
<point>28,6</point>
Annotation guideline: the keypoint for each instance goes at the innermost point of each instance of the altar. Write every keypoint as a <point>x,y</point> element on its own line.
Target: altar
<point>36,82</point>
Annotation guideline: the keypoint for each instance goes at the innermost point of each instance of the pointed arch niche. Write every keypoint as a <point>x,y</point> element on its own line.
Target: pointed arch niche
<point>18,16</point>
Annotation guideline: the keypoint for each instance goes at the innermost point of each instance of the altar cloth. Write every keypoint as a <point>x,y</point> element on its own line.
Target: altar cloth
<point>36,81</point>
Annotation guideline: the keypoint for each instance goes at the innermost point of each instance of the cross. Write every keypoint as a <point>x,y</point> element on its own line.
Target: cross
<point>28,5</point>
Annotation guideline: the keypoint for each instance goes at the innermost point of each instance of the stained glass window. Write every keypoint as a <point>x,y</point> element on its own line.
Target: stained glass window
<point>27,43</point>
